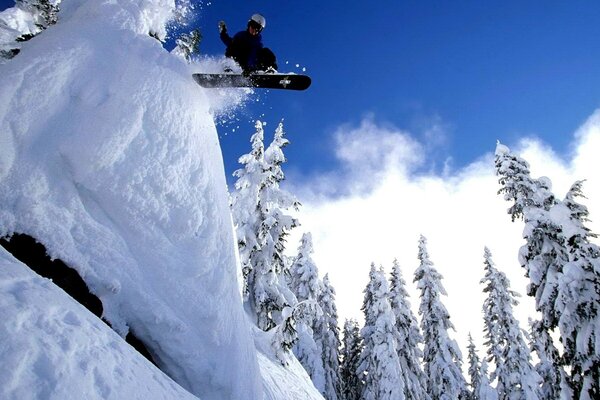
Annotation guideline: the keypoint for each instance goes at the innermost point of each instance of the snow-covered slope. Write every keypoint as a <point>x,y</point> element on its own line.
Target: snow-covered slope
<point>110,158</point>
<point>53,348</point>
<point>290,382</point>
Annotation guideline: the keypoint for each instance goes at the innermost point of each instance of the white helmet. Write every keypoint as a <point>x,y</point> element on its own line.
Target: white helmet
<point>259,19</point>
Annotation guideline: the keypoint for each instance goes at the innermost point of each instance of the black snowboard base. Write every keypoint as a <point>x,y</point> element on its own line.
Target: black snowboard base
<point>256,80</point>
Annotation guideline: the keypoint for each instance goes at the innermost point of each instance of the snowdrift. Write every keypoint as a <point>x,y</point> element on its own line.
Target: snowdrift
<point>109,157</point>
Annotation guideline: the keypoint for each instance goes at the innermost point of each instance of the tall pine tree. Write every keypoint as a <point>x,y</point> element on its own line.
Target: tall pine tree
<point>543,256</point>
<point>245,204</point>
<point>548,366</point>
<point>441,355</point>
<point>578,305</point>
<point>379,361</point>
<point>279,202</point>
<point>480,383</point>
<point>351,351</point>
<point>305,285</point>
<point>327,334</point>
<point>43,13</point>
<point>258,206</point>
<point>474,369</point>
<point>516,377</point>
<point>562,266</point>
<point>188,45</point>
<point>409,337</point>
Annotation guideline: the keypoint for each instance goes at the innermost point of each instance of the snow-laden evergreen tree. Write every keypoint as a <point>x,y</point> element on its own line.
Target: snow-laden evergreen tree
<point>261,227</point>
<point>518,186</point>
<point>351,351</point>
<point>409,337</point>
<point>486,391</point>
<point>543,256</point>
<point>304,271</point>
<point>578,305</point>
<point>480,383</point>
<point>285,335</point>
<point>245,203</point>
<point>327,334</point>
<point>474,369</point>
<point>548,366</point>
<point>42,14</point>
<point>188,45</point>
<point>306,349</point>
<point>562,267</point>
<point>305,285</point>
<point>279,201</point>
<point>441,356</point>
<point>516,377</point>
<point>379,360</point>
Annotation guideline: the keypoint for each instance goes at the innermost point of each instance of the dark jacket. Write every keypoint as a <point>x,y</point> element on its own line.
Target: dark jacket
<point>243,48</point>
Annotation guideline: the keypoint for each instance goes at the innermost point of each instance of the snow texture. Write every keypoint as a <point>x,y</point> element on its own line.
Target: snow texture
<point>110,158</point>
<point>58,349</point>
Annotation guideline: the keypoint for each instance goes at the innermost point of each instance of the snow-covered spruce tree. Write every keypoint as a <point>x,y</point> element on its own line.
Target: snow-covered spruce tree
<point>286,333</point>
<point>554,241</point>
<point>544,255</point>
<point>516,377</point>
<point>518,186</point>
<point>578,305</point>
<point>245,203</point>
<point>280,201</point>
<point>188,45</point>
<point>261,226</point>
<point>304,272</point>
<point>379,360</point>
<point>480,383</point>
<point>486,391</point>
<point>474,369</point>
<point>305,285</point>
<point>351,350</point>
<point>441,356</point>
<point>37,15</point>
<point>44,12</point>
<point>327,335</point>
<point>409,337</point>
<point>276,202</point>
<point>548,366</point>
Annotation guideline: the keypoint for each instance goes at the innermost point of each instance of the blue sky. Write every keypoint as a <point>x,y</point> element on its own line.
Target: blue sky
<point>472,71</point>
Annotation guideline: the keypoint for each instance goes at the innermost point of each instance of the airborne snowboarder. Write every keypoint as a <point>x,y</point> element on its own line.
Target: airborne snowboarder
<point>258,63</point>
<point>246,47</point>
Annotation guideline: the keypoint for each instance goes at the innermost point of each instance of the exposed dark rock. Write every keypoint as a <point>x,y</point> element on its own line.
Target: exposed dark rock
<point>33,254</point>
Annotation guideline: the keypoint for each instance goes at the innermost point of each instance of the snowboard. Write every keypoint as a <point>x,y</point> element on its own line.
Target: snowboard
<point>256,80</point>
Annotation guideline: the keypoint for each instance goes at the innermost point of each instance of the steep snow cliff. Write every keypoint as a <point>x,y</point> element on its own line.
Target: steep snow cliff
<point>109,157</point>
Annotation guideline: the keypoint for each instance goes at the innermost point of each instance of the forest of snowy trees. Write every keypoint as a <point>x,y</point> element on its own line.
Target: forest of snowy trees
<point>395,355</point>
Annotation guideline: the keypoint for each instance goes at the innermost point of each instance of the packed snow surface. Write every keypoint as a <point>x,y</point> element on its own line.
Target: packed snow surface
<point>110,158</point>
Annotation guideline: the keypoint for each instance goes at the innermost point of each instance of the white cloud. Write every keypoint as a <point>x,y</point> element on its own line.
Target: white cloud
<point>386,206</point>
<point>371,148</point>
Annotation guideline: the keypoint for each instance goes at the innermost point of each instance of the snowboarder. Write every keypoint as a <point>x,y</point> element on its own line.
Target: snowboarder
<point>246,47</point>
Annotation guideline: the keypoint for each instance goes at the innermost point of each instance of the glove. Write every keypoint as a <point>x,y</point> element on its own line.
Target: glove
<point>222,27</point>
